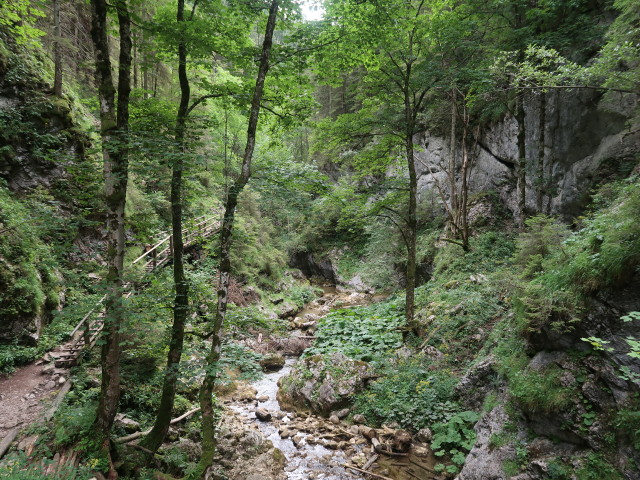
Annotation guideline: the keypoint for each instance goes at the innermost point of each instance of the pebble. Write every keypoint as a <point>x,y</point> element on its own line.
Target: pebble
<point>61,381</point>
<point>359,418</point>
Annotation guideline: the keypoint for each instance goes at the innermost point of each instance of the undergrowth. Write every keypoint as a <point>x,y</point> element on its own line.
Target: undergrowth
<point>362,333</point>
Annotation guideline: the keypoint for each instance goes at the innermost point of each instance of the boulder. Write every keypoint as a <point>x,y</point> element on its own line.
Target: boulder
<point>359,419</point>
<point>272,362</point>
<point>126,423</point>
<point>401,441</point>
<point>263,414</point>
<point>324,383</point>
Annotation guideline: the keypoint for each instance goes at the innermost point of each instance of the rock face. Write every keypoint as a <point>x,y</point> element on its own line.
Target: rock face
<point>272,362</point>
<point>323,383</point>
<point>312,267</point>
<point>586,136</point>
<point>42,146</point>
<point>485,461</point>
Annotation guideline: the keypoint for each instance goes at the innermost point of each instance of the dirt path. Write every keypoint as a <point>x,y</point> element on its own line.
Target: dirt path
<point>25,394</point>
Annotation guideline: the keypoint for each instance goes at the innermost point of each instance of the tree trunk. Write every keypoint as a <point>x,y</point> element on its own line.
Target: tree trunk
<point>452,157</point>
<point>412,222</point>
<point>464,186</point>
<point>114,130</point>
<point>57,50</point>
<point>540,179</point>
<point>522,160</point>
<point>206,391</point>
<point>181,302</point>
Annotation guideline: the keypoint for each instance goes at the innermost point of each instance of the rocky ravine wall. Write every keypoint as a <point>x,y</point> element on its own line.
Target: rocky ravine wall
<point>45,152</point>
<point>588,137</point>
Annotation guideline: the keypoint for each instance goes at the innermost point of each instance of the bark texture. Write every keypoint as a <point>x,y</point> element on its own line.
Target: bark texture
<point>181,302</point>
<point>206,391</point>
<point>114,131</point>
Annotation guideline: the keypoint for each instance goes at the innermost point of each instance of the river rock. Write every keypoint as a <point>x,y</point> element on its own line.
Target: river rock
<point>424,435</point>
<point>359,419</point>
<point>263,414</point>
<point>245,393</point>
<point>272,362</point>
<point>334,419</point>
<point>127,424</point>
<point>401,441</point>
<point>341,413</point>
<point>324,383</point>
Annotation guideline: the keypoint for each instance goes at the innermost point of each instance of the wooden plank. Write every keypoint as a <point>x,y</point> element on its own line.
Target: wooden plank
<point>374,475</point>
<point>8,439</point>
<point>56,403</point>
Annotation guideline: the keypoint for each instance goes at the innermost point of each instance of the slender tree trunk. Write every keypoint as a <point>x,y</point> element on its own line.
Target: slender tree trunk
<point>540,179</point>
<point>412,222</point>
<point>464,186</point>
<point>181,302</point>
<point>206,391</point>
<point>114,130</point>
<point>522,160</point>
<point>452,158</point>
<point>57,50</point>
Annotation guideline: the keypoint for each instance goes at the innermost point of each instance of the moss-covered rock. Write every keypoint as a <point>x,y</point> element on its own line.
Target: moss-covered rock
<point>324,383</point>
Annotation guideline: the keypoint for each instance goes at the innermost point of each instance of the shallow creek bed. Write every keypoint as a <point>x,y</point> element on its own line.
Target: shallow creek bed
<point>318,448</point>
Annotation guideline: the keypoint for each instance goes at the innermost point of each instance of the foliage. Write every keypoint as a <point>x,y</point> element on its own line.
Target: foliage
<point>362,333</point>
<point>255,257</point>
<point>627,421</point>
<point>543,236</point>
<point>28,280</point>
<point>19,467</point>
<point>595,467</point>
<point>17,17</point>
<point>465,296</point>
<point>236,357</point>
<point>410,393</point>
<point>606,250</point>
<point>454,438</point>
<point>539,391</point>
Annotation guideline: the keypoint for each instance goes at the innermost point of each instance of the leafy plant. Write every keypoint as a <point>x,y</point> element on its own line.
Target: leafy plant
<point>19,467</point>
<point>410,394</point>
<point>361,333</point>
<point>454,438</point>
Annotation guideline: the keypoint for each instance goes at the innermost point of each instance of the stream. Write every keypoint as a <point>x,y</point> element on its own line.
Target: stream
<point>297,435</point>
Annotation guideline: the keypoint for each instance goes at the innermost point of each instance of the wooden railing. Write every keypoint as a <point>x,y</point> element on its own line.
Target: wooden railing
<point>159,254</point>
<point>155,256</point>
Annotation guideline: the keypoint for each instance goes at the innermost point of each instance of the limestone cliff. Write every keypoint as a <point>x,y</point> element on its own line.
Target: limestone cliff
<point>589,136</point>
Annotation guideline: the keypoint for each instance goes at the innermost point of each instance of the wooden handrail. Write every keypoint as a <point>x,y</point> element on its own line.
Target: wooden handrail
<point>185,231</point>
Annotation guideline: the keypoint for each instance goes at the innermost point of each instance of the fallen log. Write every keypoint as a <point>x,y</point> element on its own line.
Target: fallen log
<point>370,462</point>
<point>56,403</point>
<point>374,475</point>
<point>136,435</point>
<point>385,449</point>
<point>8,439</point>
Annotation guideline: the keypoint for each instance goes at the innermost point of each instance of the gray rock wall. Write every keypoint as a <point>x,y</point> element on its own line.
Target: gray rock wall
<point>588,136</point>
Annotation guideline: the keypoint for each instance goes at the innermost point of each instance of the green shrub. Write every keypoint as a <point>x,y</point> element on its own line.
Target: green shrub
<point>539,391</point>
<point>362,333</point>
<point>410,394</point>
<point>19,467</point>
<point>595,467</point>
<point>454,438</point>
<point>627,422</point>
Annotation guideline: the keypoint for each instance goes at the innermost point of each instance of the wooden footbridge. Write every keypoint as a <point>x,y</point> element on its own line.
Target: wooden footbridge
<point>87,331</point>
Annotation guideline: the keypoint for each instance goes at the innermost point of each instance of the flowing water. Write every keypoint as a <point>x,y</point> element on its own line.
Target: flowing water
<point>307,460</point>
